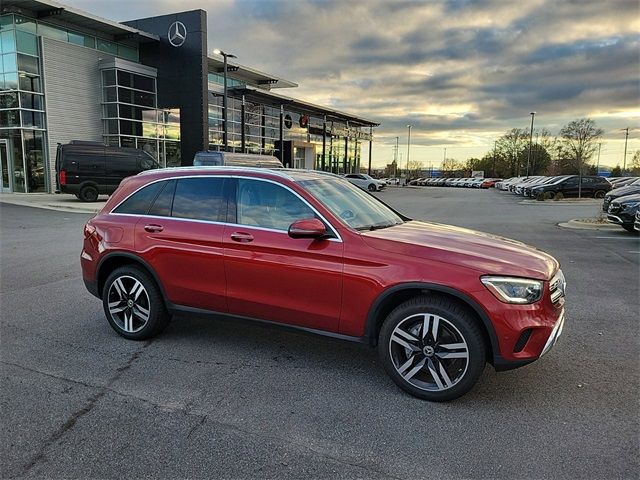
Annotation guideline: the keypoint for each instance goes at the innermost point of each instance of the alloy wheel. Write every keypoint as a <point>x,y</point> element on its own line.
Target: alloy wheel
<point>128,304</point>
<point>429,352</point>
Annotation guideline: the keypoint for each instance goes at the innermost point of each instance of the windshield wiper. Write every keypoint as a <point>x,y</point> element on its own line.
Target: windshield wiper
<point>378,227</point>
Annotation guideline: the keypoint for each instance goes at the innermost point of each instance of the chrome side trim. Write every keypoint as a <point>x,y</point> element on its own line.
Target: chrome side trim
<point>555,334</point>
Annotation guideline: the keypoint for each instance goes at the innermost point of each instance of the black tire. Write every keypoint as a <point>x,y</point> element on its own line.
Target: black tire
<point>599,194</point>
<point>371,187</point>
<point>129,320</point>
<point>454,325</point>
<point>629,228</point>
<point>88,193</point>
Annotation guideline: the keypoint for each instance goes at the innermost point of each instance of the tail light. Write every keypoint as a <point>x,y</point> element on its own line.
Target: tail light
<point>63,177</point>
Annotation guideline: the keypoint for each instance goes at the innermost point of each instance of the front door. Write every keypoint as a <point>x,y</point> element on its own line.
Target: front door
<point>272,276</point>
<point>6,166</point>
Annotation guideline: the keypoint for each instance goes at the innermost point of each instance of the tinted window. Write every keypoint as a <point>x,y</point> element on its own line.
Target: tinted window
<point>85,158</point>
<point>164,201</point>
<point>200,199</point>
<point>147,163</point>
<point>267,205</point>
<point>139,202</point>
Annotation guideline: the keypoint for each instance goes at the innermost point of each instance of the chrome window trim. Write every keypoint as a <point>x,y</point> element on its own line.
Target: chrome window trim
<point>337,238</point>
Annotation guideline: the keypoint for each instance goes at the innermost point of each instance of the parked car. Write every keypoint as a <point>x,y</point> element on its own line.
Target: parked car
<point>630,189</point>
<point>636,223</point>
<point>489,182</point>
<point>393,181</point>
<point>622,211</point>
<point>365,182</point>
<point>592,186</point>
<point>438,301</point>
<point>527,191</point>
<point>88,169</point>
<point>214,158</point>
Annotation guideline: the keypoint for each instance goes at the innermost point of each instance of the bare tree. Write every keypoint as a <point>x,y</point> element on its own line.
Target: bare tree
<point>579,139</point>
<point>512,145</point>
<point>450,167</point>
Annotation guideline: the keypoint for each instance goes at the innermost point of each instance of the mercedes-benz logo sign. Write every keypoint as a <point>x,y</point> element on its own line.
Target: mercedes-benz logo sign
<point>177,34</point>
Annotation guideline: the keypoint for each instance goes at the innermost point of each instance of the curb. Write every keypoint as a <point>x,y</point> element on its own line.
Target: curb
<point>58,208</point>
<point>578,225</point>
<point>588,202</point>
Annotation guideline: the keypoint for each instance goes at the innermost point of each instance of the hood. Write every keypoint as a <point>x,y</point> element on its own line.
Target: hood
<point>621,191</point>
<point>628,199</point>
<point>483,252</point>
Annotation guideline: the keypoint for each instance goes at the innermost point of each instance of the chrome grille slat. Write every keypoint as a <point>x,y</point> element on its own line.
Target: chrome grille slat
<point>557,287</point>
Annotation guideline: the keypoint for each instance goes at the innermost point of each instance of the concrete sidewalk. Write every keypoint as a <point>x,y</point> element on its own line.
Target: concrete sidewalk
<point>60,202</point>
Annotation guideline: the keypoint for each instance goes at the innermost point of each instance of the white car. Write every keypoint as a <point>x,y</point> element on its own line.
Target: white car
<point>365,182</point>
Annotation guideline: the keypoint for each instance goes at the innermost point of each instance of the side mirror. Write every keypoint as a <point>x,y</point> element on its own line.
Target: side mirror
<point>307,228</point>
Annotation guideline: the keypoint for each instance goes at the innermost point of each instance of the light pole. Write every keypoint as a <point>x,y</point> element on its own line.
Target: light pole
<point>225,134</point>
<point>533,114</point>
<point>408,148</point>
<point>396,159</point>
<point>626,137</point>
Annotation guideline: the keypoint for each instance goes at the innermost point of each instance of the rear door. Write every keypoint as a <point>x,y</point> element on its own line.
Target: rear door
<point>84,163</point>
<point>272,276</point>
<point>181,238</point>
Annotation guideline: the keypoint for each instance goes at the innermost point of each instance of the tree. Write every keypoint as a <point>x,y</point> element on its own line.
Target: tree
<point>451,167</point>
<point>635,164</point>
<point>415,168</point>
<point>616,171</point>
<point>513,146</point>
<point>579,140</point>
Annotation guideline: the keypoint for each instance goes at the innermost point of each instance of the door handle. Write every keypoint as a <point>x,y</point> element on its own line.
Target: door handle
<point>242,237</point>
<point>153,228</point>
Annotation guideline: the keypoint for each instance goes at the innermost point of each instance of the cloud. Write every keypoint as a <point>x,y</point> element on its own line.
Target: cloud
<point>460,71</point>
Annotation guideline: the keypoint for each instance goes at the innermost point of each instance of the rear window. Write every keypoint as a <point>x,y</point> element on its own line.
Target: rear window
<point>139,202</point>
<point>200,199</point>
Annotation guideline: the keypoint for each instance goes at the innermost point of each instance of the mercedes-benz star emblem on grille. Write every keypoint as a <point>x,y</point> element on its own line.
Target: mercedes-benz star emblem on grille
<point>177,34</point>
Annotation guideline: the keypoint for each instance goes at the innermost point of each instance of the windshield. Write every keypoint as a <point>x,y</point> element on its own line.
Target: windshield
<point>352,205</point>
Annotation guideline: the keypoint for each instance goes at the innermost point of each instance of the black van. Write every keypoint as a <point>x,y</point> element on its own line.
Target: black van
<point>88,169</point>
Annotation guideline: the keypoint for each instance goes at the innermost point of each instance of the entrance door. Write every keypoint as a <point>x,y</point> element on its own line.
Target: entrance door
<point>6,166</point>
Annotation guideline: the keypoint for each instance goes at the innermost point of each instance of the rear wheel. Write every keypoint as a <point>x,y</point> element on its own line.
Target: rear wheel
<point>88,193</point>
<point>371,187</point>
<point>432,348</point>
<point>599,194</point>
<point>133,304</point>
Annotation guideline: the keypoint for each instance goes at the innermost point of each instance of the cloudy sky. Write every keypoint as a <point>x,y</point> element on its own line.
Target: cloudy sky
<point>461,72</point>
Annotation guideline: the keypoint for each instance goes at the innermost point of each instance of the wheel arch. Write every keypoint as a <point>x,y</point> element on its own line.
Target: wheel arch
<point>394,296</point>
<point>115,260</point>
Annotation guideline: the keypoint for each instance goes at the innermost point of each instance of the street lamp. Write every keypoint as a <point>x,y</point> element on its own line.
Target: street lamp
<point>225,135</point>
<point>533,114</point>
<point>408,148</point>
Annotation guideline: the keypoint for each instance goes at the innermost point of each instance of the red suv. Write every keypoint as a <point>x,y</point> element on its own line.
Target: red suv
<point>311,251</point>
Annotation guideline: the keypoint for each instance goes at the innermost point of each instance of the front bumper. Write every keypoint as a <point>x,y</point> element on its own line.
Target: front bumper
<point>555,334</point>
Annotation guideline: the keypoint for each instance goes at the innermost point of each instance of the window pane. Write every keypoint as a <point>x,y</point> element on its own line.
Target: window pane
<point>143,83</point>
<point>31,101</point>
<point>9,100</point>
<point>145,99</point>
<point>110,94</point>
<point>7,42</point>
<point>129,53</point>
<point>28,64</point>
<point>6,22</point>
<point>130,128</point>
<point>108,47</point>
<point>162,206</point>
<point>9,118</point>
<point>82,39</point>
<point>111,110</point>
<point>33,152</point>
<point>108,77</point>
<point>27,43</point>
<point>139,202</point>
<point>50,31</point>
<point>264,204</point>
<point>9,63</point>
<point>32,119</point>
<point>124,79</point>
<point>199,198</point>
<point>25,24</point>
<point>31,84</point>
<point>111,126</point>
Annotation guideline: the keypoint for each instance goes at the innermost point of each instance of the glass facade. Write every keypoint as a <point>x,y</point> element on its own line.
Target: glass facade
<point>262,134</point>
<point>22,107</point>
<point>130,117</point>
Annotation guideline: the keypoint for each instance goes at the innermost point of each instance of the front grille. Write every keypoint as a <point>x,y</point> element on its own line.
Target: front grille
<point>557,288</point>
<point>605,203</point>
<point>614,208</point>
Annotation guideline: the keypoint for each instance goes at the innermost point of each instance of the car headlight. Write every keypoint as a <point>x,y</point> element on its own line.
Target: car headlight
<point>514,290</point>
<point>629,206</point>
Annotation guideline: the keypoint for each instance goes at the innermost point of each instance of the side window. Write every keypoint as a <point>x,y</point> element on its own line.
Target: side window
<point>139,202</point>
<point>570,182</point>
<point>164,201</point>
<point>200,198</point>
<point>267,205</point>
<point>147,162</point>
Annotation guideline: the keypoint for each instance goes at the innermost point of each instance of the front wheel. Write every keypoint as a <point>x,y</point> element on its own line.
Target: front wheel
<point>133,304</point>
<point>432,348</point>
<point>371,187</point>
<point>599,194</point>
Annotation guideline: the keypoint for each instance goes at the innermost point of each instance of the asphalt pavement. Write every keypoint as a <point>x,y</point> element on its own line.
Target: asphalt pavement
<point>216,399</point>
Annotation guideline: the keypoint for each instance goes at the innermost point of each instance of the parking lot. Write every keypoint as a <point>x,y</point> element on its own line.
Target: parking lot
<point>216,399</point>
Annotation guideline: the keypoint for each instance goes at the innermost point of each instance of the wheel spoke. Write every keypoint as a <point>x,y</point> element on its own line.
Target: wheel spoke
<point>434,327</point>
<point>453,346</point>
<point>141,312</point>
<point>403,338</point>
<point>116,307</point>
<point>452,354</point>
<point>120,288</point>
<point>128,322</point>
<point>136,290</point>
<point>439,375</point>
<point>414,370</point>
<point>403,368</point>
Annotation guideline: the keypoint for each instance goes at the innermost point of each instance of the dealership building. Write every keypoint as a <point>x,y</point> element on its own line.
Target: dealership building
<point>152,84</point>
